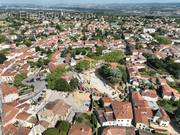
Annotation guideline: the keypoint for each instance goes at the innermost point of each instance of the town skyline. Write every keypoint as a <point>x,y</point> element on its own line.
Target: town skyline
<point>42,2</point>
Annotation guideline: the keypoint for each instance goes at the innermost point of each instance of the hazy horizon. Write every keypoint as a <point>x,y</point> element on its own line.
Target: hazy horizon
<point>42,2</point>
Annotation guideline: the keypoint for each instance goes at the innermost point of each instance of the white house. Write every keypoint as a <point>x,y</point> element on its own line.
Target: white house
<point>149,30</point>
<point>161,118</point>
<point>116,114</point>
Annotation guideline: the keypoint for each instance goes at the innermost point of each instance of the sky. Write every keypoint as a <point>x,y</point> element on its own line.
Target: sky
<point>84,1</point>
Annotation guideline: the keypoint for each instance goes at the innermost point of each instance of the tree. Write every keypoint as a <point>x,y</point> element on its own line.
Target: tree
<point>74,83</point>
<point>82,65</point>
<point>2,58</point>
<point>55,75</point>
<point>63,127</point>
<point>51,131</point>
<point>59,27</point>
<point>27,42</point>
<point>37,49</point>
<point>115,56</point>
<point>2,39</point>
<point>113,75</point>
<point>177,117</point>
<point>138,46</point>
<point>41,62</point>
<point>99,50</point>
<point>18,79</point>
<point>163,40</point>
<point>93,121</point>
<point>62,85</point>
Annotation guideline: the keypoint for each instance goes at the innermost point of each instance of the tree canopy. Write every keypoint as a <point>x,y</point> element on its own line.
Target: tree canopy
<point>82,65</point>
<point>113,75</point>
<point>163,40</point>
<point>2,58</point>
<point>115,56</point>
<point>18,79</point>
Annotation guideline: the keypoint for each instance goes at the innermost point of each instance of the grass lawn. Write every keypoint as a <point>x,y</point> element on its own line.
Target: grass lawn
<point>84,118</point>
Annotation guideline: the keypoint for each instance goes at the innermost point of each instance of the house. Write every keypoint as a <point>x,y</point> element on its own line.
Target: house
<point>23,118</point>
<point>118,131</point>
<point>9,129</point>
<point>116,114</point>
<point>54,111</point>
<point>149,30</point>
<point>40,127</point>
<point>162,118</point>
<point>168,92</point>
<point>150,95</point>
<point>106,101</point>
<point>80,129</point>
<point>23,131</point>
<point>9,93</point>
<point>16,112</point>
<point>142,117</point>
<point>142,112</point>
<point>122,116</point>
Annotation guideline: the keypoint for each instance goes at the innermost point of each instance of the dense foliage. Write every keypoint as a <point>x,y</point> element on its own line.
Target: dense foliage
<point>163,40</point>
<point>2,58</point>
<point>115,56</point>
<point>164,65</point>
<point>82,65</point>
<point>168,105</point>
<point>2,39</point>
<point>61,128</point>
<point>18,79</point>
<point>113,75</point>
<point>56,82</point>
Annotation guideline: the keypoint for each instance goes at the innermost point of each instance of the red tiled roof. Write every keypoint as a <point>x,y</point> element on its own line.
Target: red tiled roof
<point>150,93</point>
<point>23,131</point>
<point>120,110</point>
<point>9,129</point>
<point>80,129</point>
<point>23,116</point>
<point>8,89</point>
<point>118,131</point>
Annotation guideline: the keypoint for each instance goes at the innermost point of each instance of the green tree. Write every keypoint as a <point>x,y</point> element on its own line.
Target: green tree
<point>28,42</point>
<point>59,27</point>
<point>74,83</point>
<point>37,49</point>
<point>2,39</point>
<point>51,131</point>
<point>113,75</point>
<point>18,79</point>
<point>82,65</point>
<point>63,127</point>
<point>2,58</point>
<point>115,56</point>
<point>55,75</point>
<point>163,40</point>
<point>62,85</point>
<point>93,121</point>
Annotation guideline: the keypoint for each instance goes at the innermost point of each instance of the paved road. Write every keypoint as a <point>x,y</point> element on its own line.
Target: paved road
<point>39,84</point>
